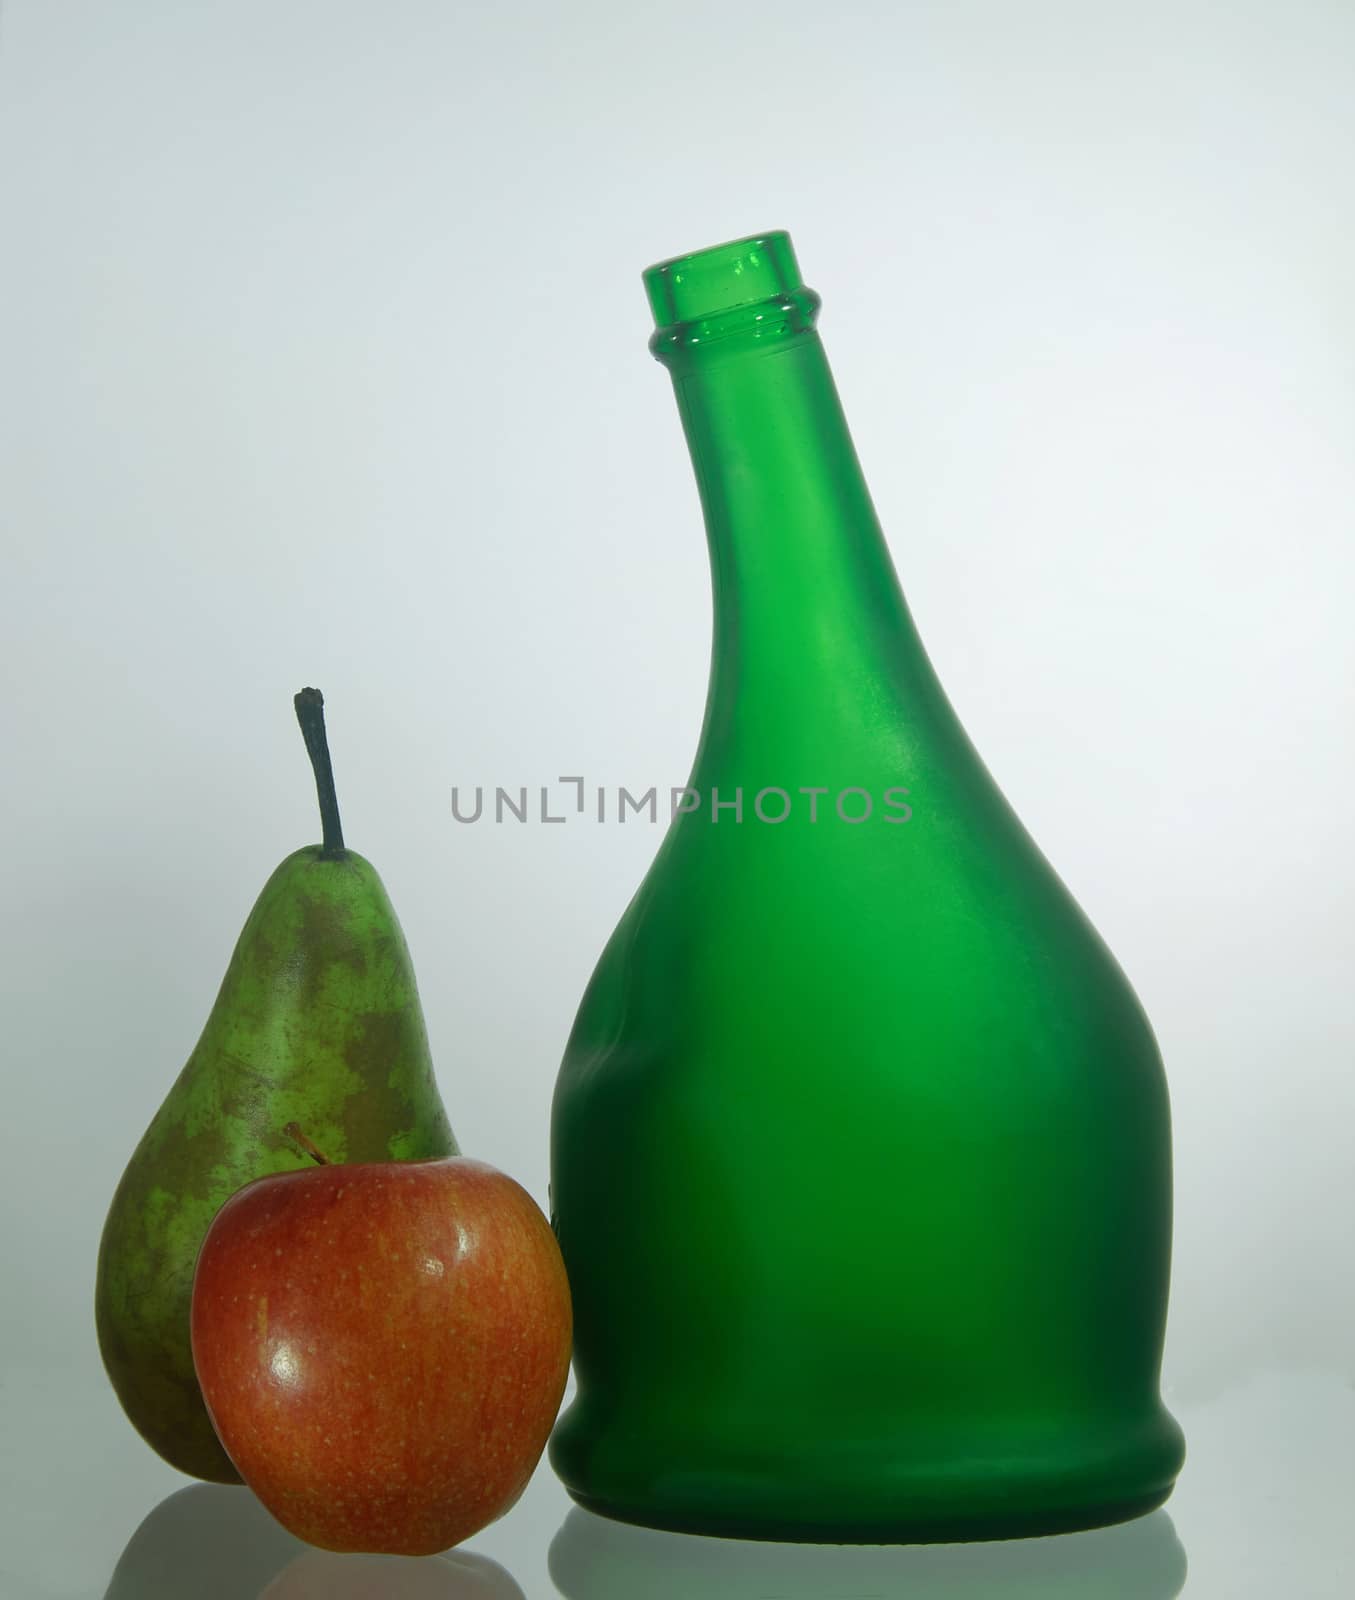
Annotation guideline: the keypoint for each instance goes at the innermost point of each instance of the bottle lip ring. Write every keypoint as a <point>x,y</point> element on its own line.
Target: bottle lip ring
<point>762,325</point>
<point>704,285</point>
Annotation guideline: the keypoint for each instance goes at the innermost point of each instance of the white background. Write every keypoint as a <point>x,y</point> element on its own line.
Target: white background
<point>324,362</point>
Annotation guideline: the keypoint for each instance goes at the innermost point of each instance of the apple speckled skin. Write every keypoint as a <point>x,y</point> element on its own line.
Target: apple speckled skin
<point>383,1348</point>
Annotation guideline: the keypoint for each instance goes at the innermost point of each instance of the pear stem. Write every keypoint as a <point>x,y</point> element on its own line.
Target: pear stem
<point>294,1133</point>
<point>310,713</point>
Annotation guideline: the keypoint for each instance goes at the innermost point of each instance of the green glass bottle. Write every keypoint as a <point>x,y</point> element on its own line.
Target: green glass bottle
<point>860,1149</point>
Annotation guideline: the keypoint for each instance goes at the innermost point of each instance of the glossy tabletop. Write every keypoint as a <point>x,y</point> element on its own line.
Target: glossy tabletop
<point>87,1511</point>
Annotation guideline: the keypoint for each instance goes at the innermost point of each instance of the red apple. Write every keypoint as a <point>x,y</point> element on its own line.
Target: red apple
<point>383,1348</point>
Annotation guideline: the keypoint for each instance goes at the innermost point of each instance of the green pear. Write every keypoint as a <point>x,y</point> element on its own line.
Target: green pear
<point>316,1043</point>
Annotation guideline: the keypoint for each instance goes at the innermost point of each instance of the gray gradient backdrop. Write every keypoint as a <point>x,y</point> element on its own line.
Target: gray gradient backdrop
<point>324,362</point>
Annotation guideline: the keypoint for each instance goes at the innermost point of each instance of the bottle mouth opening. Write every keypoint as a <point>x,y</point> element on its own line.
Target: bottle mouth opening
<point>707,283</point>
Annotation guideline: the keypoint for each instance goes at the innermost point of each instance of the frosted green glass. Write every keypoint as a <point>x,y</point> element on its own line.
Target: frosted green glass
<point>860,1150</point>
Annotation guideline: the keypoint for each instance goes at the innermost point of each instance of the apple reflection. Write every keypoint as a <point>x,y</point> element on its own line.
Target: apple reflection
<point>592,1558</point>
<point>209,1542</point>
<point>457,1575</point>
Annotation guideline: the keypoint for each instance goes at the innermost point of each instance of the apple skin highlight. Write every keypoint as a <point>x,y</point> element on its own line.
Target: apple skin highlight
<point>383,1348</point>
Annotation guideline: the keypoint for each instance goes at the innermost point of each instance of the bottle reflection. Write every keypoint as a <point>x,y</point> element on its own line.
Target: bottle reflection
<point>594,1559</point>
<point>214,1543</point>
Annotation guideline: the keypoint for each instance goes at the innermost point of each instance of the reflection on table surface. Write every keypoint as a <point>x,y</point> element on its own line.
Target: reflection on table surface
<point>208,1542</point>
<point>594,1559</point>
<point>457,1575</point>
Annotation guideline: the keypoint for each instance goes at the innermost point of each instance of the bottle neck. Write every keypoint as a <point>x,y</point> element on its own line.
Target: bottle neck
<point>805,594</point>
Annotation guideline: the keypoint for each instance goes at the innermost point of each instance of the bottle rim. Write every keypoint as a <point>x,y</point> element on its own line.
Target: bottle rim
<point>704,284</point>
<point>746,294</point>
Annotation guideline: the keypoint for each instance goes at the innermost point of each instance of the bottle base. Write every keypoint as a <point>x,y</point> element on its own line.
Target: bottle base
<point>900,1530</point>
<point>1061,1479</point>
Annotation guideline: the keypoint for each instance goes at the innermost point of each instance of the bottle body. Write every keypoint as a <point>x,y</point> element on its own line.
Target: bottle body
<point>860,1150</point>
